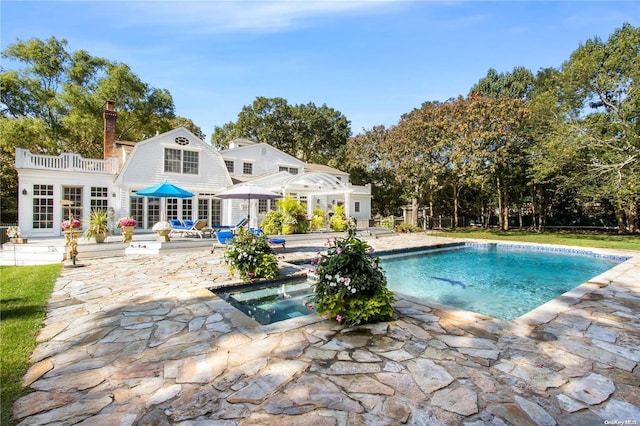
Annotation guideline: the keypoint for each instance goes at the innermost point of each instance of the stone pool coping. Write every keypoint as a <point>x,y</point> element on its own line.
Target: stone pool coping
<point>141,340</point>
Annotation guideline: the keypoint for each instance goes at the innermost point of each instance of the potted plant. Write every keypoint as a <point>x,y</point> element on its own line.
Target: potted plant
<point>351,287</point>
<point>127,224</point>
<point>163,229</point>
<point>98,225</point>
<point>251,256</point>
<point>71,230</point>
<point>13,233</point>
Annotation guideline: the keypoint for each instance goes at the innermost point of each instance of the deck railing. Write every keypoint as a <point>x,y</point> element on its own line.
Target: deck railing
<point>65,161</point>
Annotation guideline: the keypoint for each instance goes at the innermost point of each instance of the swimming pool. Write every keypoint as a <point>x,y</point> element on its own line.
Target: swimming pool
<point>498,280</point>
<point>503,281</point>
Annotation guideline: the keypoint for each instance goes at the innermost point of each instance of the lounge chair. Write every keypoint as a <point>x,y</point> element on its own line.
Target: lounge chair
<point>232,228</point>
<point>272,241</point>
<point>190,228</point>
<point>179,227</point>
<point>223,239</point>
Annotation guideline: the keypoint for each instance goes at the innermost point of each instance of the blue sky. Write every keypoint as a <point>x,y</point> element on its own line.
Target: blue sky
<point>371,60</point>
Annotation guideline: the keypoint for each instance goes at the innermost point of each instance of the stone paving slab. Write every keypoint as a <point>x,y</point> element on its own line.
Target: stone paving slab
<point>140,340</point>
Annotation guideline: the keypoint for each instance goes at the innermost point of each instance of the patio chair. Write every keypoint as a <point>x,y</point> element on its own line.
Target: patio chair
<point>223,239</point>
<point>242,222</point>
<point>271,241</point>
<point>200,229</point>
<point>179,227</point>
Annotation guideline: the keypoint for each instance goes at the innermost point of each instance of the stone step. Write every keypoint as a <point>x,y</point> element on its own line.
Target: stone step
<point>30,254</point>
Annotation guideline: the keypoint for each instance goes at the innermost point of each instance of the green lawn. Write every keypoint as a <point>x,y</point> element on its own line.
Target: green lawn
<point>24,292</point>
<point>609,241</point>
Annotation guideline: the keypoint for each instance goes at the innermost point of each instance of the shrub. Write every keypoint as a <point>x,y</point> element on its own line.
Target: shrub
<point>387,222</point>
<point>251,256</point>
<point>351,286</point>
<point>338,221</point>
<point>317,220</point>
<point>272,222</point>
<point>408,228</point>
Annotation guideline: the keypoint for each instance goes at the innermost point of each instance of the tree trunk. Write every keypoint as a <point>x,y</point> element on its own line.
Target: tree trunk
<point>430,224</point>
<point>455,205</point>
<point>633,217</point>
<point>414,211</point>
<point>620,216</point>
<point>503,208</point>
<point>543,211</point>
<point>534,211</point>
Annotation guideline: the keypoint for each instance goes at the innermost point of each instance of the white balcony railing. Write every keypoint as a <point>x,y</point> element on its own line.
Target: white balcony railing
<point>64,162</point>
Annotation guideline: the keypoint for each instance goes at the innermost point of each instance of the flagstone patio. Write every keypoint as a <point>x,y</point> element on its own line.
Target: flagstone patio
<point>140,340</point>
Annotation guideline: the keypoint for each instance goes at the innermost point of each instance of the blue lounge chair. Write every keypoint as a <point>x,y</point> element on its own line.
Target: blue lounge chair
<point>272,241</point>
<point>223,239</point>
<point>240,224</point>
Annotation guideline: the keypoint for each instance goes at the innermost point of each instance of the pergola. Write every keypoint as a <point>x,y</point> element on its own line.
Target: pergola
<point>313,185</point>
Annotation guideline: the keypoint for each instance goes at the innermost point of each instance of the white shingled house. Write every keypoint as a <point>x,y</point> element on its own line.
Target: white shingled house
<point>178,157</point>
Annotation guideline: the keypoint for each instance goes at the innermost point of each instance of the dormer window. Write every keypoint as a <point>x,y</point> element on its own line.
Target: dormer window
<point>247,168</point>
<point>181,161</point>
<point>292,170</point>
<point>230,165</point>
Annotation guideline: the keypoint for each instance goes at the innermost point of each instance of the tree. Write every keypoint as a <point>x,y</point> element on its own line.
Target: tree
<point>52,101</point>
<point>506,94</point>
<point>363,160</point>
<point>601,83</point>
<point>305,131</point>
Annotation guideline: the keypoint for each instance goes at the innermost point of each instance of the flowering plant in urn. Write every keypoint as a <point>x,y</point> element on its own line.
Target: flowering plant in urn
<point>126,221</point>
<point>351,287</point>
<point>70,224</point>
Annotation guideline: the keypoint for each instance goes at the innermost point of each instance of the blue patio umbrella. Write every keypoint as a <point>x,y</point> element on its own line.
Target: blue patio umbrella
<point>164,190</point>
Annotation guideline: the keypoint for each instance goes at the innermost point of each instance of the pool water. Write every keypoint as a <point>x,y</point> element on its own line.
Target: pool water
<point>271,303</point>
<point>500,282</point>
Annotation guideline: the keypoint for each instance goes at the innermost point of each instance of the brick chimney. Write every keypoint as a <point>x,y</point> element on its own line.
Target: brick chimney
<point>109,116</point>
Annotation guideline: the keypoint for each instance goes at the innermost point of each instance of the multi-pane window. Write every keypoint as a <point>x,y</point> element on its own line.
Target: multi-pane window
<point>137,210</point>
<point>73,194</point>
<point>203,208</point>
<point>263,206</point>
<point>216,217</point>
<point>181,161</point>
<point>356,207</point>
<point>247,168</point>
<point>229,164</point>
<point>190,162</point>
<point>153,211</point>
<point>42,206</point>
<point>99,198</point>
<point>172,208</point>
<point>187,209</point>
<point>172,159</point>
<point>292,170</point>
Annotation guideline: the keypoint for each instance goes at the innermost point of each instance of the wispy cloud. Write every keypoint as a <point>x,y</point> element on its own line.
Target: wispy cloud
<point>242,16</point>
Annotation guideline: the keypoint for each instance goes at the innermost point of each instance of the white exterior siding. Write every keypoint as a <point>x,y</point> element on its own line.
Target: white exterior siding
<point>58,180</point>
<point>265,159</point>
<point>145,166</point>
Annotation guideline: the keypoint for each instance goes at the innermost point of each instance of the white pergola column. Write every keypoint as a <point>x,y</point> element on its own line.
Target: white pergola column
<point>347,204</point>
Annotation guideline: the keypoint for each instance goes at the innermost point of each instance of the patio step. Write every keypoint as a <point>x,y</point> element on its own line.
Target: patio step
<point>30,254</point>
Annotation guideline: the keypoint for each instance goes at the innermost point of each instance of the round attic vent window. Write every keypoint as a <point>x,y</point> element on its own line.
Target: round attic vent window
<point>181,140</point>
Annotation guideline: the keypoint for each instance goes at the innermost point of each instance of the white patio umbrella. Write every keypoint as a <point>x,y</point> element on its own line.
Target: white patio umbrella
<point>248,192</point>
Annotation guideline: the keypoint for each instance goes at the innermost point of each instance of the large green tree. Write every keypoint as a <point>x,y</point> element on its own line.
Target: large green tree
<point>585,122</point>
<point>601,82</point>
<point>306,131</point>
<point>51,101</point>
